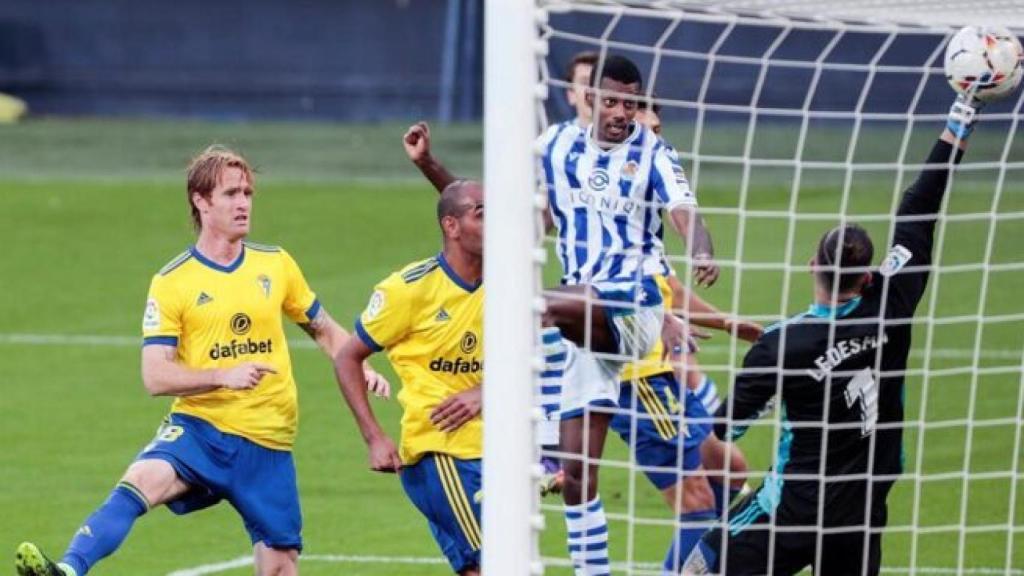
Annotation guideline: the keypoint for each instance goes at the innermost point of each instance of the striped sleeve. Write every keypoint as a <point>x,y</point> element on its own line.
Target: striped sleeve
<point>671,187</point>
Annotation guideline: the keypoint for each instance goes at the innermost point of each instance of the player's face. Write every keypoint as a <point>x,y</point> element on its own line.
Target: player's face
<point>228,210</point>
<point>577,93</point>
<point>615,109</point>
<point>648,117</point>
<point>468,230</point>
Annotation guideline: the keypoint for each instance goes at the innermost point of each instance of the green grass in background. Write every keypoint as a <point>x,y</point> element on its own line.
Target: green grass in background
<point>90,209</point>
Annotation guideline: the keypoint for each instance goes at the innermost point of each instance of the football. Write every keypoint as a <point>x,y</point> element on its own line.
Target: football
<point>985,60</point>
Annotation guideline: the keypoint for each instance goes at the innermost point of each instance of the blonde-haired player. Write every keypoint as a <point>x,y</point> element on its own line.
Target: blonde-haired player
<point>213,338</point>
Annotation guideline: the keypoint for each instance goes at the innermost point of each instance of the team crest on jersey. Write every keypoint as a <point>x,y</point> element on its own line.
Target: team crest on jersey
<point>151,318</point>
<point>264,281</point>
<point>375,305</point>
<point>241,323</point>
<point>469,342</point>
<point>599,180</point>
<point>630,169</point>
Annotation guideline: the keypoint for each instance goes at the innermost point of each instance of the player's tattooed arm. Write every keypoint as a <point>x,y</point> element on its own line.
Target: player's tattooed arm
<point>330,337</point>
<point>417,146</point>
<point>688,222</point>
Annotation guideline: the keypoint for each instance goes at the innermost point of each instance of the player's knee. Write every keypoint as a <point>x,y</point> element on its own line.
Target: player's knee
<point>276,562</point>
<point>156,479</point>
<point>697,494</point>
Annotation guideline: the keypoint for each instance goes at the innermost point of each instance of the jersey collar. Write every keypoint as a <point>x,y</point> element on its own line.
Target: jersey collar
<point>635,129</point>
<point>211,264</point>
<point>822,311</point>
<point>455,277</point>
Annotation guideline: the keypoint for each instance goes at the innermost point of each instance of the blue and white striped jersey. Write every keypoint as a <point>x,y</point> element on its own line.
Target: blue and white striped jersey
<point>606,204</point>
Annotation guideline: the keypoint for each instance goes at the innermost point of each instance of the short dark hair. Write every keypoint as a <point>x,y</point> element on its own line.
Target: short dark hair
<point>588,57</point>
<point>857,252</point>
<point>652,103</point>
<point>620,69</point>
<point>450,202</point>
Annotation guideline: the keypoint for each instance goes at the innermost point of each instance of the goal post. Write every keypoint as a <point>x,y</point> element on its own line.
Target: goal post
<point>789,117</point>
<point>510,276</point>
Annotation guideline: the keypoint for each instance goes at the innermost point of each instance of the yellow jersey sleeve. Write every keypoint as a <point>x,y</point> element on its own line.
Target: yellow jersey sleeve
<point>300,302</point>
<point>163,319</point>
<point>387,317</point>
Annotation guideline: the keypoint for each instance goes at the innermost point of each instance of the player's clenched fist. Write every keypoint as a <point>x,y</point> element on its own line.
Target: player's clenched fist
<point>245,376</point>
<point>417,141</point>
<point>384,455</point>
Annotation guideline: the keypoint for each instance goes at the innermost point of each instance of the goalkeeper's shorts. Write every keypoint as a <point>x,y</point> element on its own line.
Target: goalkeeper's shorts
<point>653,406</point>
<point>447,491</point>
<point>259,482</point>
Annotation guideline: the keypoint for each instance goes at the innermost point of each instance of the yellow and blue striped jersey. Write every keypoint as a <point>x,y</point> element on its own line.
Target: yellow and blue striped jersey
<point>221,316</point>
<point>430,322</point>
<point>652,363</point>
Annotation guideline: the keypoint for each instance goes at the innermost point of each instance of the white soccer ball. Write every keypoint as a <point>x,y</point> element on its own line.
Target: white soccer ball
<point>986,60</point>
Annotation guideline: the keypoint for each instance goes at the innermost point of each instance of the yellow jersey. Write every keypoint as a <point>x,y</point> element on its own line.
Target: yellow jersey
<point>221,316</point>
<point>430,322</point>
<point>652,363</point>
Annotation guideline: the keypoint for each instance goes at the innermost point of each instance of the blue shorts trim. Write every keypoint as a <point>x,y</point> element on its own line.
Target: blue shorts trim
<point>446,490</point>
<point>578,412</point>
<point>259,482</point>
<point>658,421</point>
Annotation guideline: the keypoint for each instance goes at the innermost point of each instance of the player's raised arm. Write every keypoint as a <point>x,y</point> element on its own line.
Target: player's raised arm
<point>417,146</point>
<point>919,210</point>
<point>674,192</point>
<point>348,367</point>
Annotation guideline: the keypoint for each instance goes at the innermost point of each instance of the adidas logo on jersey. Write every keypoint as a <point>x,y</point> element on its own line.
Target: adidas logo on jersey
<point>204,298</point>
<point>442,316</point>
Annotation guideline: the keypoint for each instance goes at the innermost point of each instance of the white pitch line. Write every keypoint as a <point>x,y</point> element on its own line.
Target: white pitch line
<point>243,561</point>
<point>31,339</point>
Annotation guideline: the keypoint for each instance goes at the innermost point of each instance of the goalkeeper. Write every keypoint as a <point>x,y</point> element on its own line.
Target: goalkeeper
<point>839,365</point>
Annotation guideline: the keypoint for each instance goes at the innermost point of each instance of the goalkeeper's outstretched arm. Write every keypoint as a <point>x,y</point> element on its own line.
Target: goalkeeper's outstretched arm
<point>919,210</point>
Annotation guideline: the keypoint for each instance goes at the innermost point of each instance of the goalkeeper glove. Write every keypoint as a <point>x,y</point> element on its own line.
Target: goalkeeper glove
<point>962,115</point>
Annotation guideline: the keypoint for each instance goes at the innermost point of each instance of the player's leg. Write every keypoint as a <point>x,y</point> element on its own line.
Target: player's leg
<point>264,491</point>
<point>446,491</point>
<point>555,352</point>
<point>582,438</point>
<point>146,483</point>
<point>725,462</point>
<point>578,313</point>
<point>664,440</point>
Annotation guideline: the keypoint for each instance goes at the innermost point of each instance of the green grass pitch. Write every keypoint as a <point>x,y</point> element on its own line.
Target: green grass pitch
<point>89,210</point>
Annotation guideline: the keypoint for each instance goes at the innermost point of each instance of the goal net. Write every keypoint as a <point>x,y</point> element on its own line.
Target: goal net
<point>789,117</point>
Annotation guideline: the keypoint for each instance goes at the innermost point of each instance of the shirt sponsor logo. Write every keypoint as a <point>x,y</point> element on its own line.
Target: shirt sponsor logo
<point>235,348</point>
<point>598,180</point>
<point>605,203</point>
<point>241,323</point>
<point>457,366</point>
<point>468,343</point>
<point>843,350</point>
